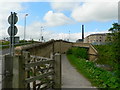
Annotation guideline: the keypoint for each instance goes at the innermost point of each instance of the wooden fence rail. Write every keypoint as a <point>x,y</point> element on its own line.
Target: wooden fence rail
<point>34,72</point>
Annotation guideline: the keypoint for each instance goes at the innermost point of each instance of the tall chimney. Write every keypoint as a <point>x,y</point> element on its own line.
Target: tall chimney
<point>82,32</point>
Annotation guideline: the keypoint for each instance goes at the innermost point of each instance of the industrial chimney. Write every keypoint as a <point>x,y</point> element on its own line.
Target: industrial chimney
<point>82,32</point>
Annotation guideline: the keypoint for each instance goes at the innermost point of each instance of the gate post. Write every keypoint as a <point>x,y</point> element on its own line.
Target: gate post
<point>19,73</point>
<point>57,68</point>
<point>7,72</point>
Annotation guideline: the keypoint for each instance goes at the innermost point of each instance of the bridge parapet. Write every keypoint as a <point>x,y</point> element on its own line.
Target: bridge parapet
<point>45,49</point>
<point>55,46</point>
<point>92,51</point>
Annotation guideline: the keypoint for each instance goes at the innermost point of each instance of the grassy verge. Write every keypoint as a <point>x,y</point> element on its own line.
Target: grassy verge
<point>97,76</point>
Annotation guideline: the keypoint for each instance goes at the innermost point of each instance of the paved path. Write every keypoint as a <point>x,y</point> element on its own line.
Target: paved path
<point>71,78</point>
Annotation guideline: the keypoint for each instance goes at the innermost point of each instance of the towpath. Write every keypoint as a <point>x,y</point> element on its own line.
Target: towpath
<point>71,78</point>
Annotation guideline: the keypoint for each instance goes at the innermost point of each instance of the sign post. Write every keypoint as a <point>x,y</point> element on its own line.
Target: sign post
<point>12,30</point>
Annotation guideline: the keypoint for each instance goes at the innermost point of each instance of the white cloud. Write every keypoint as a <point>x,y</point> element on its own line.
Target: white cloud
<point>59,0</point>
<point>56,19</point>
<point>52,19</point>
<point>94,11</point>
<point>82,0</point>
<point>60,6</point>
<point>33,31</point>
<point>89,10</point>
<point>5,9</point>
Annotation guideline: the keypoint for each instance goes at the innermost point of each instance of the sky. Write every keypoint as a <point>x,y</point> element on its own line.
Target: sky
<point>59,19</point>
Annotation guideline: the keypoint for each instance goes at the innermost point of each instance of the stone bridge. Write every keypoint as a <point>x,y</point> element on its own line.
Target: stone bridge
<point>46,49</point>
<point>92,52</point>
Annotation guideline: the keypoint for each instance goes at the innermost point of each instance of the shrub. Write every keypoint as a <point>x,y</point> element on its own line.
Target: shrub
<point>106,55</point>
<point>98,77</point>
<point>78,52</point>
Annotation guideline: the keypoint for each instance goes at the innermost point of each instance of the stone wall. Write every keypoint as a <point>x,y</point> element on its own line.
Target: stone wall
<point>54,46</point>
<point>45,49</point>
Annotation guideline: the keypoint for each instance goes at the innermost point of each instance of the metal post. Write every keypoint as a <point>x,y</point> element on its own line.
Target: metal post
<point>13,35</point>
<point>25,27</point>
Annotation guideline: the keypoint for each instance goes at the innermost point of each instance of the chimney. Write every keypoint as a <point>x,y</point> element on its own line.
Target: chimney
<point>82,32</point>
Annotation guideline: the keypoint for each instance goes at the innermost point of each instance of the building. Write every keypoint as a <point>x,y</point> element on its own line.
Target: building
<point>81,40</point>
<point>96,39</point>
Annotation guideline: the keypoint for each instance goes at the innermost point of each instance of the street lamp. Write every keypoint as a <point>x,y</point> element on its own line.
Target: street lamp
<point>25,26</point>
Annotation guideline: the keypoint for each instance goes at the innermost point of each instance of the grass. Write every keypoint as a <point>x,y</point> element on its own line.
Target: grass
<point>97,76</point>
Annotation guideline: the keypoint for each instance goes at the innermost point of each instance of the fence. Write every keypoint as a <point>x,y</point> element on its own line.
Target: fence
<point>28,71</point>
<point>32,66</point>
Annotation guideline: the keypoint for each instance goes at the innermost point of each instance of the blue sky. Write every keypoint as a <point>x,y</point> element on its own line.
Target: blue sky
<point>58,18</point>
<point>37,10</point>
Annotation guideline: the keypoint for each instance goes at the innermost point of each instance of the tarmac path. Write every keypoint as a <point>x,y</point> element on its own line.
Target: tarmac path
<point>71,78</point>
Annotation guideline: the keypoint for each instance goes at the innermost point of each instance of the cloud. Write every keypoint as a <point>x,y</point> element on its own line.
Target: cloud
<point>81,0</point>
<point>56,19</point>
<point>60,6</point>
<point>89,10</point>
<point>94,11</point>
<point>33,31</point>
<point>59,0</point>
<point>5,9</point>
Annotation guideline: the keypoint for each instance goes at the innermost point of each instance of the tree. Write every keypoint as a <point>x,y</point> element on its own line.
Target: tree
<point>114,38</point>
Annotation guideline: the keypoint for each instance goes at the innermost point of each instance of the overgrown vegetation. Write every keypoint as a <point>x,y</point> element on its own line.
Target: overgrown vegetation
<point>106,55</point>
<point>78,52</point>
<point>98,77</point>
<point>114,39</point>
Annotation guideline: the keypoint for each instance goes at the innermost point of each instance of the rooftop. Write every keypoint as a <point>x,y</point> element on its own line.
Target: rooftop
<point>103,34</point>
